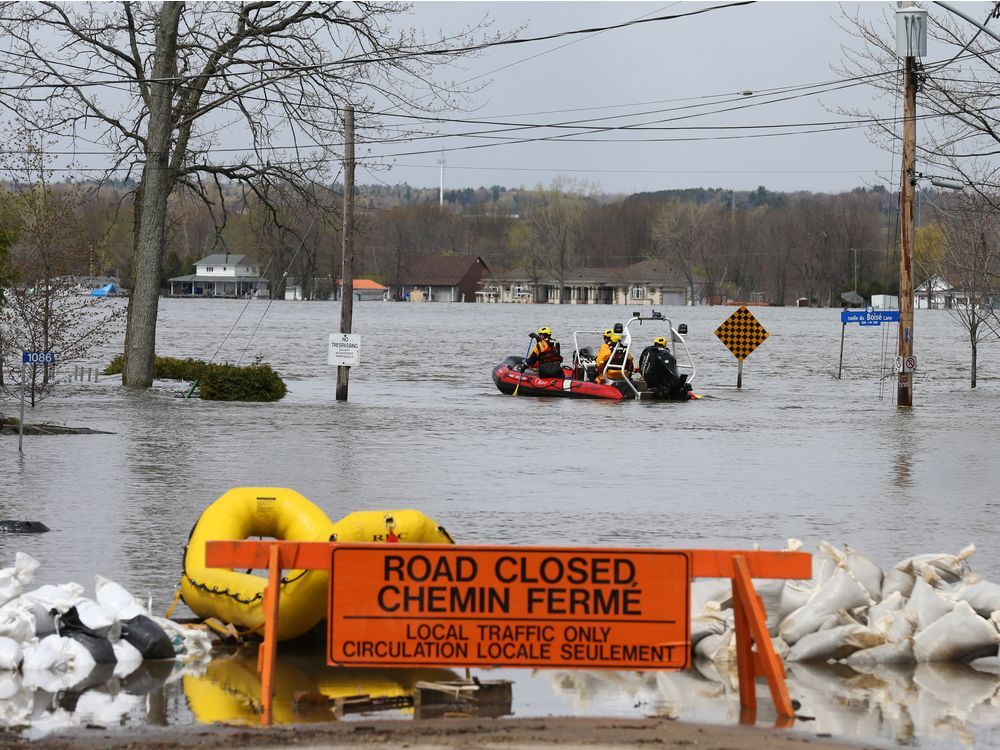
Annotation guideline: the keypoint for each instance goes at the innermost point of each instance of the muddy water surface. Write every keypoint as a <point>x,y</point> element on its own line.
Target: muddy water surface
<point>795,453</point>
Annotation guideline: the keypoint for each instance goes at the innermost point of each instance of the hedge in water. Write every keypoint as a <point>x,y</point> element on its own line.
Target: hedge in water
<point>256,382</point>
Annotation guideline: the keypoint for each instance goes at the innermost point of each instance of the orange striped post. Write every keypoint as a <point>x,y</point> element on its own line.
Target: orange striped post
<point>754,651</point>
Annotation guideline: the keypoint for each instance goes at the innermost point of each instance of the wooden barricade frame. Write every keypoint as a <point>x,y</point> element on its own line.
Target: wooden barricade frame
<point>755,655</point>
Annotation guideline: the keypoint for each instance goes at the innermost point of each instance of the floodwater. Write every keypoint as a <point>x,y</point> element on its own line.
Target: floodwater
<point>795,453</point>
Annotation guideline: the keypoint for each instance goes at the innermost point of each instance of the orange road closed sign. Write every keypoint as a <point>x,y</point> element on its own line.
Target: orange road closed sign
<point>437,605</point>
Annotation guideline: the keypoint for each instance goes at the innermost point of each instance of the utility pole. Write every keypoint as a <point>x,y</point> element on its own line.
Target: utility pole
<point>441,163</point>
<point>347,263</point>
<point>911,42</point>
<point>855,269</point>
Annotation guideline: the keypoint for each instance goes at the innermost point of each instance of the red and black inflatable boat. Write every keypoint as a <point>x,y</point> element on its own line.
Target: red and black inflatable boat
<point>507,377</point>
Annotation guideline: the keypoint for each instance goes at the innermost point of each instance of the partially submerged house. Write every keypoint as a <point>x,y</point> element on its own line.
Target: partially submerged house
<point>439,278</point>
<point>365,290</point>
<point>221,275</point>
<point>649,282</point>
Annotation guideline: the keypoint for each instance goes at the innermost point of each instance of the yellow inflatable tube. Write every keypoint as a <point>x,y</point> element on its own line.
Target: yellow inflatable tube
<point>281,513</point>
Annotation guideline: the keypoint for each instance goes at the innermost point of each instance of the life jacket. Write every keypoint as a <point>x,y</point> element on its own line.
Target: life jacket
<point>546,350</point>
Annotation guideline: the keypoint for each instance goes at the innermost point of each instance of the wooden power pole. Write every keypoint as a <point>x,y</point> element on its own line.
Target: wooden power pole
<point>904,383</point>
<point>911,43</point>
<point>347,262</point>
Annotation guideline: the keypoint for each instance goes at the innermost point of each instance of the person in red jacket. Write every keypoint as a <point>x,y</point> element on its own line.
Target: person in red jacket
<point>545,355</point>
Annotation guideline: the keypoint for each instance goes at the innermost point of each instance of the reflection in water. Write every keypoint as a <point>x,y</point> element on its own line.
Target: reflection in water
<point>930,705</point>
<point>795,454</point>
<point>305,689</point>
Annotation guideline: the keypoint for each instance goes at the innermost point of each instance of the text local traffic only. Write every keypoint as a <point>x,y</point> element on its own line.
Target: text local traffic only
<point>526,606</point>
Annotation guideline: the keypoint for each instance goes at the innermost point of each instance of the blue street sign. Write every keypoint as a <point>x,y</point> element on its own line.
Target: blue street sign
<point>869,317</point>
<point>38,358</point>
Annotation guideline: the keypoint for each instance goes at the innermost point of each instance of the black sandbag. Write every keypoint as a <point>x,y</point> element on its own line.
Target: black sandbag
<point>69,625</point>
<point>149,638</point>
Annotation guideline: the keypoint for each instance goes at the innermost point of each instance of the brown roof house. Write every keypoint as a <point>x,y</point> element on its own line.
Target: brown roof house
<point>439,278</point>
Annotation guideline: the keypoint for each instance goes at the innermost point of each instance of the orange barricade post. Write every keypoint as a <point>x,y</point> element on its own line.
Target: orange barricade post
<point>482,605</point>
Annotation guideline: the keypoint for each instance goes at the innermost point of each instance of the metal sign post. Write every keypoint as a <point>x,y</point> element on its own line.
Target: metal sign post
<point>742,333</point>
<point>33,358</point>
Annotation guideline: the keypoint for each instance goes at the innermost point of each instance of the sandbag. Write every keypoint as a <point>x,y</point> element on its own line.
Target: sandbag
<point>982,596</point>
<point>37,657</point>
<point>959,635</point>
<point>12,580</point>
<point>835,643</point>
<point>927,604</point>
<point>17,620</point>
<point>716,648</point>
<point>867,573</point>
<point>887,653</point>
<point>10,654</point>
<point>708,623</point>
<point>127,657</point>
<point>897,625</point>
<point>195,644</point>
<point>987,664</point>
<point>893,602</point>
<point>117,599</point>
<point>69,625</point>
<point>711,593</point>
<point>148,638</point>
<point>771,592</point>
<point>947,568</point>
<point>98,618</point>
<point>48,598</point>
<point>794,595</point>
<point>842,591</point>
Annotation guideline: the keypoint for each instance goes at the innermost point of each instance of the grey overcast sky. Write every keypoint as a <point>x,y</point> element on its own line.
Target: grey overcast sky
<point>634,74</point>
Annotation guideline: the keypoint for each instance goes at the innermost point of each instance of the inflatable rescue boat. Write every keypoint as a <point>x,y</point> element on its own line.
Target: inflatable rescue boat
<point>664,373</point>
<point>280,513</point>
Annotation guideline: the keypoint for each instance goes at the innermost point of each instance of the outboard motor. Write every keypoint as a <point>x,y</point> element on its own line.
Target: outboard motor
<point>658,367</point>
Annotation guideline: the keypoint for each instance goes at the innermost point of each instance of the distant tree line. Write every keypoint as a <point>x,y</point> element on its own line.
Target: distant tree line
<point>763,245</point>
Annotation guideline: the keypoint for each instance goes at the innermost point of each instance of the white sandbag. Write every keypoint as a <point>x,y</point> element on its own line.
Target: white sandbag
<point>897,625</point>
<point>987,664</point>
<point>43,658</point>
<point>887,653</point>
<point>194,644</point>
<point>867,573</point>
<point>960,634</point>
<point>46,598</point>
<point>842,591</point>
<point>13,580</point>
<point>16,703</point>
<point>771,592</point>
<point>714,647</point>
<point>117,599</point>
<point>98,618</point>
<point>826,562</point>
<point>10,654</point>
<point>893,602</point>
<point>17,620</point>
<point>948,568</point>
<point>97,708</point>
<point>982,595</point>
<point>794,595</point>
<point>927,604</point>
<point>836,643</point>
<point>128,658</point>
<point>708,623</point>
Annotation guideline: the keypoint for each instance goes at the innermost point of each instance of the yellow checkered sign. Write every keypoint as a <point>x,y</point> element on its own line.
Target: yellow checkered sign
<point>741,333</point>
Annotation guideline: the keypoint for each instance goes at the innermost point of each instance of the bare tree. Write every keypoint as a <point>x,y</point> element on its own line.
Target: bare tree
<point>157,83</point>
<point>45,311</point>
<point>971,260</point>
<point>557,224</point>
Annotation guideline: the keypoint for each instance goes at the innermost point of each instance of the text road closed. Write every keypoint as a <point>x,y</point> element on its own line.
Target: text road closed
<point>420,605</point>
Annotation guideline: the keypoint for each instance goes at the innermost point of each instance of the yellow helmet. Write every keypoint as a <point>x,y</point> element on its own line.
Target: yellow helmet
<point>608,333</point>
<point>615,338</point>
<point>660,341</point>
<point>544,331</point>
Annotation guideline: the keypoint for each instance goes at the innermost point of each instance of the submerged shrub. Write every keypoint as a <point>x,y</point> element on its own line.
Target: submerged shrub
<point>256,382</point>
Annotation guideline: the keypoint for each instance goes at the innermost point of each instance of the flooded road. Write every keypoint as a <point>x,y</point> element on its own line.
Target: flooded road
<point>795,453</point>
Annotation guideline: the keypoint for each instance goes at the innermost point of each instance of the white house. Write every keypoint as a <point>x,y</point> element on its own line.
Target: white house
<point>221,275</point>
<point>937,294</point>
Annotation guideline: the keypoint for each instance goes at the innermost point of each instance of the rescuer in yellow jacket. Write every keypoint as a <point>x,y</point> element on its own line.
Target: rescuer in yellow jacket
<point>613,353</point>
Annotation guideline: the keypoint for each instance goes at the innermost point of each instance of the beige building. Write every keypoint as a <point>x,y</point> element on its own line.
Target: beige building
<point>649,282</point>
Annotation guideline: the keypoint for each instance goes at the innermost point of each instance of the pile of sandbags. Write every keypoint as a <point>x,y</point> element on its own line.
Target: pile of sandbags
<point>926,608</point>
<point>56,637</point>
